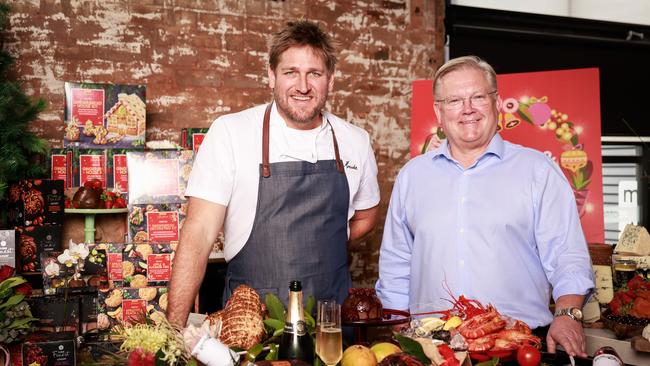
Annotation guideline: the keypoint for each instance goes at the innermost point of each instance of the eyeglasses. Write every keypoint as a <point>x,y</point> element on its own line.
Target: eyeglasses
<point>476,100</point>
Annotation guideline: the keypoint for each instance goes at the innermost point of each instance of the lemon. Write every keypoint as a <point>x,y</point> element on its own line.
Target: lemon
<point>453,322</point>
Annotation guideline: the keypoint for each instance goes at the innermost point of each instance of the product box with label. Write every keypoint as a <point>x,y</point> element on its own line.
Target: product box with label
<point>60,278</point>
<point>35,240</point>
<point>192,138</point>
<point>88,312</point>
<point>89,164</point>
<point>56,313</point>
<point>137,303</point>
<point>118,175</point>
<point>158,176</point>
<point>109,308</point>
<point>104,115</point>
<point>8,248</point>
<point>156,223</point>
<point>50,349</point>
<point>114,267</point>
<point>60,166</point>
<point>147,264</point>
<point>36,202</point>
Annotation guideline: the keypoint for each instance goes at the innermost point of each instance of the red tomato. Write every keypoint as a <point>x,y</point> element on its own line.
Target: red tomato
<point>528,355</point>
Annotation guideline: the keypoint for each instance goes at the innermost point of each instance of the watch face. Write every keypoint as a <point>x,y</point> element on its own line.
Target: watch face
<point>577,313</point>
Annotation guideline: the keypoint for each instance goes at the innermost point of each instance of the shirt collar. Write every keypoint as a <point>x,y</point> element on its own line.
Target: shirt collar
<point>496,147</point>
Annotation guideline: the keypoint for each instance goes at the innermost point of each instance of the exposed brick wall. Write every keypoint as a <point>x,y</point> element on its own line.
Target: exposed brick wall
<point>201,59</point>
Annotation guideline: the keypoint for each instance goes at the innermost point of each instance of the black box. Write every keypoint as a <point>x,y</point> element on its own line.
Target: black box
<point>34,240</point>
<point>36,202</point>
<point>8,247</point>
<point>55,313</point>
<point>50,349</point>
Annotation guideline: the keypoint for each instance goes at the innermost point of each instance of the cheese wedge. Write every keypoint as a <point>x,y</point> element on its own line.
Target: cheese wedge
<point>604,291</point>
<point>634,240</point>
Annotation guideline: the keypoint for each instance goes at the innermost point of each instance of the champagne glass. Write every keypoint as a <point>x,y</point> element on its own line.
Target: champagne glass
<point>329,342</point>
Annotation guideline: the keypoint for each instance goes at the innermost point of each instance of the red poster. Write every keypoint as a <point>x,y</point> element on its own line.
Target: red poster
<point>60,169</point>
<point>88,105</point>
<point>159,267</point>
<point>120,174</point>
<point>197,140</point>
<point>162,226</point>
<point>556,112</point>
<point>92,167</point>
<point>133,311</point>
<point>114,261</point>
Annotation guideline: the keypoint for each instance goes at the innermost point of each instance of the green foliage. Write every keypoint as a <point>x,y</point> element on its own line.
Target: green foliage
<point>412,347</point>
<point>18,145</point>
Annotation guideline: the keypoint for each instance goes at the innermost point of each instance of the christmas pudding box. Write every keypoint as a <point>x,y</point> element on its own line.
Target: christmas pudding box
<point>50,349</point>
<point>89,164</point>
<point>8,248</point>
<point>34,241</point>
<point>156,223</point>
<point>147,264</point>
<point>158,176</point>
<point>60,166</point>
<point>104,115</point>
<point>192,138</point>
<point>36,202</point>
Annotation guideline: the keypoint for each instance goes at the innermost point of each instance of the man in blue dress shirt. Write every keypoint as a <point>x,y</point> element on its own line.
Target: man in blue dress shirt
<point>494,221</point>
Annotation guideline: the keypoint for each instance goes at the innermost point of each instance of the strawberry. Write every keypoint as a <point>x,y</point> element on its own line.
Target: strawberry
<point>108,204</point>
<point>119,202</point>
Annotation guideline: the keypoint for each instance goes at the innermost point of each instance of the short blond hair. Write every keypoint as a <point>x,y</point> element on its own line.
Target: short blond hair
<point>464,62</point>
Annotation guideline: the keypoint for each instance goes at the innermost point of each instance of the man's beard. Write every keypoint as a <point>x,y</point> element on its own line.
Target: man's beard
<point>296,115</point>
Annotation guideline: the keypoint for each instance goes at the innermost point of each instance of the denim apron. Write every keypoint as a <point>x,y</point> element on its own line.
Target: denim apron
<point>299,231</point>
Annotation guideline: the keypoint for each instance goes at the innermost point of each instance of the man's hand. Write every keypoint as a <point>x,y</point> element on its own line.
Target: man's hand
<point>569,334</point>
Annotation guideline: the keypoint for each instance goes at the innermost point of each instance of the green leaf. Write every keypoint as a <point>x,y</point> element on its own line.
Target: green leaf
<point>275,307</point>
<point>273,352</point>
<point>192,362</point>
<point>254,351</point>
<point>11,282</point>
<point>274,323</point>
<point>412,347</point>
<point>311,323</point>
<point>278,332</point>
<point>159,358</point>
<point>16,299</point>
<point>21,323</point>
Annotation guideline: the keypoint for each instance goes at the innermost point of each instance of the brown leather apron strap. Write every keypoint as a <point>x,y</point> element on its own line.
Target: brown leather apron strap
<point>266,169</point>
<point>339,162</point>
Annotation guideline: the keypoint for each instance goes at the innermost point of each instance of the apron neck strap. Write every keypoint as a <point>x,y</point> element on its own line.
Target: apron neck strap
<point>266,168</point>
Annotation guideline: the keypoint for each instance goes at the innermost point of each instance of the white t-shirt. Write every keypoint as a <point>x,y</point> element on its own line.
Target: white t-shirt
<point>226,168</point>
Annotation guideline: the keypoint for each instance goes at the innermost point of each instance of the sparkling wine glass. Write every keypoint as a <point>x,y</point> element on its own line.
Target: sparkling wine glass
<point>329,342</point>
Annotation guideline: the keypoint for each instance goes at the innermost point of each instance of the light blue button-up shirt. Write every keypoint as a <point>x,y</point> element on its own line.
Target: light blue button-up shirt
<point>504,231</point>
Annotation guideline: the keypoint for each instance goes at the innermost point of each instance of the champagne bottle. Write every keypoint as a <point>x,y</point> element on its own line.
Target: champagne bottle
<point>296,343</point>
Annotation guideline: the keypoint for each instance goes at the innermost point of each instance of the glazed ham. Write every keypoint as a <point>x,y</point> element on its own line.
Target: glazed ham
<point>242,321</point>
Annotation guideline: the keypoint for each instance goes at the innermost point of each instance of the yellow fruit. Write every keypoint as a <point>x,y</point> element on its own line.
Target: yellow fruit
<point>453,322</point>
<point>358,355</point>
<point>384,349</point>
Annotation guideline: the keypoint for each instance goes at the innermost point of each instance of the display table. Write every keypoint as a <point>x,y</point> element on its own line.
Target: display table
<point>597,338</point>
<point>89,219</point>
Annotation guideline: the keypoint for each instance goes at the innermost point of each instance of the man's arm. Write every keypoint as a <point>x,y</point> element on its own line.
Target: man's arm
<point>362,222</point>
<point>204,219</point>
<point>565,331</point>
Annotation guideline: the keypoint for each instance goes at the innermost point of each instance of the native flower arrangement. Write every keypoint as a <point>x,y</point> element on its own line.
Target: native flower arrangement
<point>151,344</point>
<point>15,316</point>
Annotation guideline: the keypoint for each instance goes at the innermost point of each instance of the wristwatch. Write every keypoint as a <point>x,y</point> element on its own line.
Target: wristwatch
<point>572,312</point>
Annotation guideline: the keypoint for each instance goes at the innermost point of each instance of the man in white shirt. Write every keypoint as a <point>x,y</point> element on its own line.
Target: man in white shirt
<point>291,183</point>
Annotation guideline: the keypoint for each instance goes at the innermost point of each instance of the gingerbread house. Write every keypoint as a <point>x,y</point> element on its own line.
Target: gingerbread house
<point>127,116</point>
